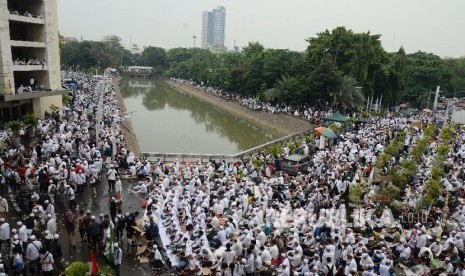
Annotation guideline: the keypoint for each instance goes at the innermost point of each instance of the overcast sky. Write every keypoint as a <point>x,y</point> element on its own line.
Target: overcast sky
<point>428,25</point>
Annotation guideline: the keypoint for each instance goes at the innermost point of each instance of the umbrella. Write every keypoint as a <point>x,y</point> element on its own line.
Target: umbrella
<point>326,132</point>
<point>320,130</point>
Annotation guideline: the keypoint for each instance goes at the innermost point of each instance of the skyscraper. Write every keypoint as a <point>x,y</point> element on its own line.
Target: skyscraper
<point>213,24</point>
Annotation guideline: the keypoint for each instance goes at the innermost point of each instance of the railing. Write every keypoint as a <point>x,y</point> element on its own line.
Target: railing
<point>189,157</point>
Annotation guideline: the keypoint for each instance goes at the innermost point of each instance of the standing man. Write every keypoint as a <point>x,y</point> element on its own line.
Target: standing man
<point>118,257</point>
<point>3,206</point>
<point>93,233</point>
<point>69,221</point>
<point>111,175</point>
<point>71,197</point>
<point>32,254</point>
<point>46,261</point>
<point>4,233</point>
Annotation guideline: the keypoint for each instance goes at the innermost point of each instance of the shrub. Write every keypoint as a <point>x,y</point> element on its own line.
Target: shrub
<point>447,134</point>
<point>77,269</point>
<point>443,150</point>
<point>357,193</point>
<point>275,150</point>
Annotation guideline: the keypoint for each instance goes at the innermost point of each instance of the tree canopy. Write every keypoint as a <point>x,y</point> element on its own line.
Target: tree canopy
<point>340,68</point>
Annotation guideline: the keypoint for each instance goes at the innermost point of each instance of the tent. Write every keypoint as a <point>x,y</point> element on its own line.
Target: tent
<point>337,117</point>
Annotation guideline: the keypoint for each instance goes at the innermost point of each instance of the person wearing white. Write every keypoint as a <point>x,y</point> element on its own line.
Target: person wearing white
<point>4,232</point>
<point>46,261</point>
<point>118,257</point>
<point>51,224</point>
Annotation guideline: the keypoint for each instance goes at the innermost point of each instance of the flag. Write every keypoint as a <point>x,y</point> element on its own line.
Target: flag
<point>111,255</point>
<point>93,264</point>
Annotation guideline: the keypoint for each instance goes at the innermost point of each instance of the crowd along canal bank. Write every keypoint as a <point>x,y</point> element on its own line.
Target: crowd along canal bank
<point>282,123</point>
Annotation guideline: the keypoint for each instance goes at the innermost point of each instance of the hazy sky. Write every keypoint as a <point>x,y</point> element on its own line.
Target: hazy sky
<point>428,25</point>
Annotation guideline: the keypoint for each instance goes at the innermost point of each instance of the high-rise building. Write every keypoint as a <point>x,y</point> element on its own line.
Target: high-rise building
<point>213,25</point>
<point>30,77</point>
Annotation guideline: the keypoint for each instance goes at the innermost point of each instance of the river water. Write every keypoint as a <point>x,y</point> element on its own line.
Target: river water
<point>168,121</point>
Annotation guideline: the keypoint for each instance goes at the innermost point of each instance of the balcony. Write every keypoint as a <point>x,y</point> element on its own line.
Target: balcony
<point>31,44</point>
<point>26,19</point>
<point>30,68</point>
<point>32,95</point>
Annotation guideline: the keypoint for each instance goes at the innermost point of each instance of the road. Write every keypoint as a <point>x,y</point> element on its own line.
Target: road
<point>97,206</point>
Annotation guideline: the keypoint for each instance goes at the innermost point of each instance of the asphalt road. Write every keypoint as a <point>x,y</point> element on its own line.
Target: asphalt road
<point>97,206</point>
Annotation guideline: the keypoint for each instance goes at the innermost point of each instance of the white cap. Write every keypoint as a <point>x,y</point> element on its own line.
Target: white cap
<point>116,245</point>
<point>32,237</point>
<point>19,223</point>
<point>56,236</point>
<point>92,217</point>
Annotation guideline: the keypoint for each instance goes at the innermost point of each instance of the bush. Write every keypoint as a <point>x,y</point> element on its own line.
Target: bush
<point>336,128</point>
<point>15,126</point>
<point>433,189</point>
<point>443,150</point>
<point>357,193</point>
<point>447,134</point>
<point>275,150</point>
<point>76,269</point>
<point>430,131</point>
<point>400,179</point>
<point>30,119</point>
<point>309,139</point>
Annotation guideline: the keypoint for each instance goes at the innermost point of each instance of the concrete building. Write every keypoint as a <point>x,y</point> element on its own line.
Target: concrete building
<point>29,57</point>
<point>213,26</point>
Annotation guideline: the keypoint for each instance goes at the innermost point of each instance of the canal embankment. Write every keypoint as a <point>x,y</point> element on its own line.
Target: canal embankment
<point>282,123</point>
<point>130,138</point>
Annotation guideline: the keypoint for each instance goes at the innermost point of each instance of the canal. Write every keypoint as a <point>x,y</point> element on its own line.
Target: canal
<point>166,120</point>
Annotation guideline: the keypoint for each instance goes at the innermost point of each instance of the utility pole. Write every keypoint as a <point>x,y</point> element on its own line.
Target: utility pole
<point>194,37</point>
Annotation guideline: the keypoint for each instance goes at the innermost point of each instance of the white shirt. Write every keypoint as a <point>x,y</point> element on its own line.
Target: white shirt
<point>22,233</point>
<point>32,250</point>
<point>118,256</point>
<point>111,174</point>
<point>4,231</point>
<point>47,261</point>
<point>71,194</point>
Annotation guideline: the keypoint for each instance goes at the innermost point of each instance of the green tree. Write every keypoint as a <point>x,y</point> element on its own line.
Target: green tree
<point>155,57</point>
<point>322,82</point>
<point>424,72</point>
<point>348,95</point>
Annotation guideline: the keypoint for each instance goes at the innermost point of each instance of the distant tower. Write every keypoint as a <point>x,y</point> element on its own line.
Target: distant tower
<point>194,37</point>
<point>213,26</point>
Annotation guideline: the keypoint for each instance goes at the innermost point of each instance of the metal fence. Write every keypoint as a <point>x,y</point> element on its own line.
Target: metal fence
<point>192,157</point>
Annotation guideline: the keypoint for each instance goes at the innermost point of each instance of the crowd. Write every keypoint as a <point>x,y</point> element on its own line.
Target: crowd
<point>231,218</point>
<point>31,61</point>
<point>312,113</point>
<point>32,86</point>
<point>222,217</point>
<point>25,13</point>
<point>67,158</point>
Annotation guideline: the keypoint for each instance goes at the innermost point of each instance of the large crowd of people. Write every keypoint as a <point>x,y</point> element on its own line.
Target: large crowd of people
<point>245,217</point>
<point>313,113</point>
<point>31,61</point>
